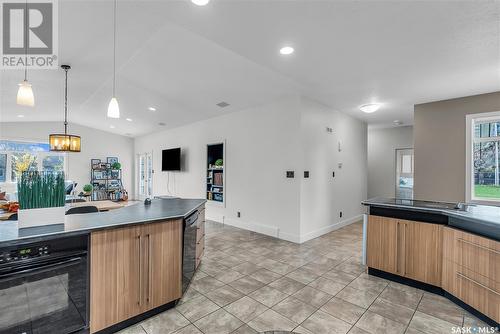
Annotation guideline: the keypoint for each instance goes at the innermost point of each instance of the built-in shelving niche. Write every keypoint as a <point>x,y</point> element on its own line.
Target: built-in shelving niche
<point>215,173</point>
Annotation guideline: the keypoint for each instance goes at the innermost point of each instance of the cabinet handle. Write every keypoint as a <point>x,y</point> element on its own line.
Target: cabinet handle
<point>139,271</point>
<point>477,283</point>
<point>397,247</point>
<point>478,246</point>
<point>406,250</point>
<point>149,268</point>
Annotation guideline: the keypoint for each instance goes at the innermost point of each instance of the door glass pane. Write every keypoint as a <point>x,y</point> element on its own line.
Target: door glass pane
<point>486,173</point>
<point>404,173</point>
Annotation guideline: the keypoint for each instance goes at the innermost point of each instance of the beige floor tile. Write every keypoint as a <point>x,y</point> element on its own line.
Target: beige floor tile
<point>312,296</point>
<point>246,268</point>
<point>429,324</point>
<point>403,297</point>
<point>377,324</point>
<point>197,308</point>
<point>218,322</point>
<point>351,268</point>
<point>361,298</point>
<point>294,309</point>
<point>271,321</point>
<point>357,330</point>
<point>191,329</point>
<point>323,323</point>
<point>364,283</point>
<point>268,296</point>
<point>302,330</point>
<point>246,284</point>
<point>441,308</point>
<point>206,284</point>
<point>245,329</point>
<point>340,276</point>
<point>302,275</point>
<point>327,285</point>
<point>265,276</point>
<point>224,295</point>
<point>228,276</point>
<point>343,310</point>
<point>392,311</point>
<point>287,285</point>
<point>165,323</point>
<point>246,308</point>
<point>137,329</point>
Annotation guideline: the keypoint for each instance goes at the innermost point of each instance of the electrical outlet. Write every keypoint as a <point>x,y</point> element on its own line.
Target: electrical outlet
<point>290,174</point>
<point>238,214</point>
<point>306,174</point>
<point>333,174</point>
<point>340,214</point>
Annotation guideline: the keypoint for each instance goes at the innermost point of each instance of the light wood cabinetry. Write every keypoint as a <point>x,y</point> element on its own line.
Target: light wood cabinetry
<point>470,270</point>
<point>406,248</point>
<point>200,237</point>
<point>133,270</point>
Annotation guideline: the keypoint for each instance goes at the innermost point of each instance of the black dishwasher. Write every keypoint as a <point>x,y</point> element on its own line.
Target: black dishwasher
<point>44,287</point>
<point>189,249</point>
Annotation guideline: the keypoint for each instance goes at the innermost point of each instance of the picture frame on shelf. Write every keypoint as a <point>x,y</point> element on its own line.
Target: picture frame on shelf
<point>111,160</point>
<point>108,165</point>
<point>95,163</point>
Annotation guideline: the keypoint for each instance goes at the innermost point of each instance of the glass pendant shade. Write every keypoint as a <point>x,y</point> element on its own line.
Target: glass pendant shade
<point>113,108</point>
<point>25,95</point>
<point>64,143</point>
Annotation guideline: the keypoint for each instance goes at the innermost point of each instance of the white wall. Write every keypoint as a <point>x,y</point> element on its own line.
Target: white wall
<point>382,145</point>
<point>95,144</point>
<point>261,144</point>
<point>323,196</point>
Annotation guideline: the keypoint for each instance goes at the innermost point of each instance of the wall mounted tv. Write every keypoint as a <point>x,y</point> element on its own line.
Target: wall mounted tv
<point>171,159</point>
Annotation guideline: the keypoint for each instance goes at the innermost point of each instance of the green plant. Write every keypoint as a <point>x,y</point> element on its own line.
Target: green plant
<point>116,165</point>
<point>87,188</point>
<point>219,163</point>
<point>41,190</point>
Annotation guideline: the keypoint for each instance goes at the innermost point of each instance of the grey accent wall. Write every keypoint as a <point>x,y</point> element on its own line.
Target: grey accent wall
<point>382,145</point>
<point>439,142</point>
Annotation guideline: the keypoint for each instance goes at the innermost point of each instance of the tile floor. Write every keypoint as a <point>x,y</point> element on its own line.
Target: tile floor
<point>251,283</point>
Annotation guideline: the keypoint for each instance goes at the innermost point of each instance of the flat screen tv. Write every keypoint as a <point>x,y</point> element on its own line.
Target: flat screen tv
<point>171,159</point>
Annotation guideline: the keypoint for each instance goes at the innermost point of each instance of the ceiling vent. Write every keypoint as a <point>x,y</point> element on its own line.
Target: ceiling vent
<point>223,104</point>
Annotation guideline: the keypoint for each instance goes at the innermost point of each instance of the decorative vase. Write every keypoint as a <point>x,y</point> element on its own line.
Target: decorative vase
<point>40,217</point>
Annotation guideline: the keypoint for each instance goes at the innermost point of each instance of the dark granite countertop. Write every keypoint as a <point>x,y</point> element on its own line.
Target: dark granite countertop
<point>480,219</point>
<point>160,209</point>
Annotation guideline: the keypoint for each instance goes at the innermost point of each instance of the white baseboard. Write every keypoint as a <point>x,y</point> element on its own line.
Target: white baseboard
<point>253,226</point>
<point>329,228</point>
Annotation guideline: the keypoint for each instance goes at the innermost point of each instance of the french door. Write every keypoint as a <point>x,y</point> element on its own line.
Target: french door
<point>145,175</point>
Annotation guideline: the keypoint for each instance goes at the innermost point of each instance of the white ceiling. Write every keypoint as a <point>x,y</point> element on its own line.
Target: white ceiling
<point>183,59</point>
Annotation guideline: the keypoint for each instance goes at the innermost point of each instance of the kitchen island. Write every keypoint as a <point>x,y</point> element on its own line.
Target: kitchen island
<point>451,249</point>
<point>99,272</point>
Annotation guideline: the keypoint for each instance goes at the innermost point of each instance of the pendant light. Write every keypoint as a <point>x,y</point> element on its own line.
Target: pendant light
<point>25,95</point>
<point>113,108</point>
<point>65,142</point>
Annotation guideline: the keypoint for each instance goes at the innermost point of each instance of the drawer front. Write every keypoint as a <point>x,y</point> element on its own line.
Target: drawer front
<point>201,215</point>
<point>478,254</point>
<point>200,232</point>
<point>476,290</point>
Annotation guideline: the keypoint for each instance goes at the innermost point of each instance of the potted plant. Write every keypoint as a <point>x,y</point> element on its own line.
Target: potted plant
<point>87,189</point>
<point>116,165</point>
<point>41,198</point>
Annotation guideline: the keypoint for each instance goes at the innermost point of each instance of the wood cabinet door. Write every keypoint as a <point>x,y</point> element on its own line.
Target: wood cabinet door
<point>114,276</point>
<point>163,272</point>
<point>423,252</point>
<point>382,243</point>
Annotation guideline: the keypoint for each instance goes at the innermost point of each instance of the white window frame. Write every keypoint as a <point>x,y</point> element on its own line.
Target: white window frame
<point>470,121</point>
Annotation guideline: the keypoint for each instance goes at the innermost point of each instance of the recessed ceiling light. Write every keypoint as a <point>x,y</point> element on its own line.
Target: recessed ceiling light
<point>286,50</point>
<point>128,119</point>
<point>20,116</point>
<point>111,126</point>
<point>397,122</point>
<point>200,2</point>
<point>369,108</point>
<point>161,124</point>
<point>152,109</point>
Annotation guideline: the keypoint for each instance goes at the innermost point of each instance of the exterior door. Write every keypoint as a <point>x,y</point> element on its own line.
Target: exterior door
<point>145,175</point>
<point>404,173</point>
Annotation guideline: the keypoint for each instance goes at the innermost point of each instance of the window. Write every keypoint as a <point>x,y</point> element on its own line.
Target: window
<point>17,157</point>
<point>483,158</point>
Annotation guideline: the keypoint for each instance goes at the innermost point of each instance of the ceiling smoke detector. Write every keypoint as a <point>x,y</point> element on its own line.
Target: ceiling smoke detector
<point>223,104</point>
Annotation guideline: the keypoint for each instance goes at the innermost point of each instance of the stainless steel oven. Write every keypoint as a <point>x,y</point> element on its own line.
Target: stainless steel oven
<point>189,249</point>
<point>44,287</point>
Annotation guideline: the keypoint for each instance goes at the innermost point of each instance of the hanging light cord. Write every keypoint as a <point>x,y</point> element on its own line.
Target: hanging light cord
<point>66,103</point>
<point>114,49</point>
<point>26,41</point>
